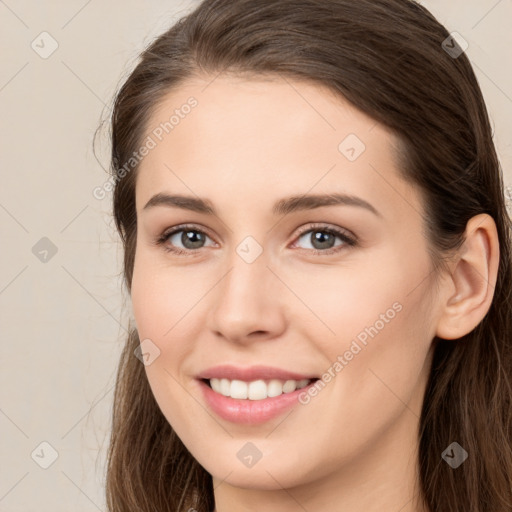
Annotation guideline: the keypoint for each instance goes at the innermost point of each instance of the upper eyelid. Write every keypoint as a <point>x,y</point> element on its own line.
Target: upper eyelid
<point>327,227</point>
<point>186,227</point>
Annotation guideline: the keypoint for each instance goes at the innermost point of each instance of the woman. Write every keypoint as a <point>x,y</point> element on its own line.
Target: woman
<point>318,254</point>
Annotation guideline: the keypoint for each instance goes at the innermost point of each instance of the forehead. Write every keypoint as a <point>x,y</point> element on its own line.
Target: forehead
<point>230,136</point>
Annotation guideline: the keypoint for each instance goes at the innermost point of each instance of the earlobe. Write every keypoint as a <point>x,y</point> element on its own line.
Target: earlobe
<point>472,280</point>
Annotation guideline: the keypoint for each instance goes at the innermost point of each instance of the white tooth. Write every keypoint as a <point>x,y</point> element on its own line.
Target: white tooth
<point>238,389</point>
<point>289,386</point>
<point>225,387</point>
<point>257,390</point>
<point>215,384</point>
<point>302,383</point>
<point>274,388</point>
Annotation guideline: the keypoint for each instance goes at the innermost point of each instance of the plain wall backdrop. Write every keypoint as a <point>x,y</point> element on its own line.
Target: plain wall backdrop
<point>63,312</point>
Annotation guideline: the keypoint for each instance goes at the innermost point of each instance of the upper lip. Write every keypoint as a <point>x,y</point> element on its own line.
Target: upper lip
<point>251,373</point>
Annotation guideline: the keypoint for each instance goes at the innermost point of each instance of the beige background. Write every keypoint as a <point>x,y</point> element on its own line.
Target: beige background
<point>62,321</point>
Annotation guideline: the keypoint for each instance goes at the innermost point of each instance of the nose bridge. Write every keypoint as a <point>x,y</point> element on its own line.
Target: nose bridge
<point>245,301</point>
<point>247,263</point>
<point>248,277</point>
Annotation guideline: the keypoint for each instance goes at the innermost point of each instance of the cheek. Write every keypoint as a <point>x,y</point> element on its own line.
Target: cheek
<point>169,306</point>
<point>383,296</point>
<point>161,303</point>
<point>161,296</point>
<point>381,329</point>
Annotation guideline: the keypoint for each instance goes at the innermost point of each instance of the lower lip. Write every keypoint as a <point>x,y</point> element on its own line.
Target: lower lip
<point>250,412</point>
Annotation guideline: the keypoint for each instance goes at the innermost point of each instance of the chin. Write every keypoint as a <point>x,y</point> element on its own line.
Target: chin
<point>274,473</point>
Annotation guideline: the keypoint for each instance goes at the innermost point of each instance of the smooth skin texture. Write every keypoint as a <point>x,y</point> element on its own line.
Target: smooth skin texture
<point>247,144</point>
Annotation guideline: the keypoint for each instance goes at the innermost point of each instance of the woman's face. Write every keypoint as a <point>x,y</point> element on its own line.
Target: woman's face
<point>276,286</point>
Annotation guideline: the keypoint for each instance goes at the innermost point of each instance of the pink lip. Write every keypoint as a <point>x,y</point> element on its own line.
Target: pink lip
<point>251,373</point>
<point>249,412</point>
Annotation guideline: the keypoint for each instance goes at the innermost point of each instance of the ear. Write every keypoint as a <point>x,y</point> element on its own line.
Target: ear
<point>470,286</point>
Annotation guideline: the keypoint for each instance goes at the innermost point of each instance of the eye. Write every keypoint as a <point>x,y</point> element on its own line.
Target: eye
<point>322,238</point>
<point>189,236</point>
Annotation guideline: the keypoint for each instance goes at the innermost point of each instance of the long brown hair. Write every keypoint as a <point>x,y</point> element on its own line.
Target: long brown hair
<point>392,60</point>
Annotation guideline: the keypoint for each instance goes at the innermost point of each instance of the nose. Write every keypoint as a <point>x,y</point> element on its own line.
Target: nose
<point>249,303</point>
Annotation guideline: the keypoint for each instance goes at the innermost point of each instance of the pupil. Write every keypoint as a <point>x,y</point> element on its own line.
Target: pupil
<point>191,236</point>
<point>320,236</point>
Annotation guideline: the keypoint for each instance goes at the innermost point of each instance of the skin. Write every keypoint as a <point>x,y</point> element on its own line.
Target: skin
<point>248,143</point>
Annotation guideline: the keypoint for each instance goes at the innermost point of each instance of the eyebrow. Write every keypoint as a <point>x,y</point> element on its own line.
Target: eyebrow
<point>281,207</point>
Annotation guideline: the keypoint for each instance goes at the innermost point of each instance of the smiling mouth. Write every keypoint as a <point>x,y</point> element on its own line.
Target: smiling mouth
<point>256,389</point>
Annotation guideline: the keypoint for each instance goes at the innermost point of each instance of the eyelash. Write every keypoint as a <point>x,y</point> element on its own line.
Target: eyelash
<point>350,241</point>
